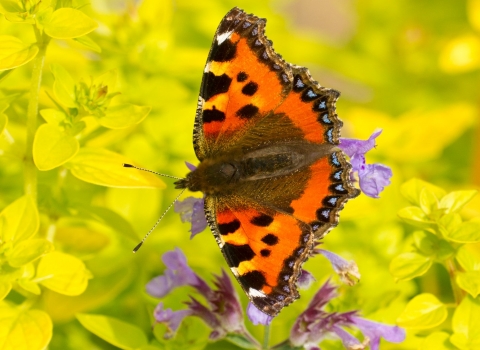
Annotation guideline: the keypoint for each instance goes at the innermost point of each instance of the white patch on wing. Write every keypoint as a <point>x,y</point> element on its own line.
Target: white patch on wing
<point>207,68</point>
<point>256,293</point>
<point>234,271</point>
<point>224,36</point>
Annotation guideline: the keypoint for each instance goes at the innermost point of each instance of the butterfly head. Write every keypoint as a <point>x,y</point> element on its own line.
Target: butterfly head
<point>211,176</point>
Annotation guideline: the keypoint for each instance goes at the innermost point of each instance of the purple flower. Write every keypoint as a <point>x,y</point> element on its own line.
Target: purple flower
<point>315,324</point>
<point>178,274</point>
<point>191,210</point>
<point>372,177</point>
<point>222,312</point>
<point>171,319</point>
<point>258,317</point>
<point>347,270</point>
<point>305,280</point>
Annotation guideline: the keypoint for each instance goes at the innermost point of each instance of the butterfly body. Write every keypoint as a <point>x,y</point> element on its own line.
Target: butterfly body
<point>274,181</point>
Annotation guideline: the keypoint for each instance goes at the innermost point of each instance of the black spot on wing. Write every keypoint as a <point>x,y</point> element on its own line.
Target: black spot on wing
<point>214,85</point>
<point>213,115</point>
<point>253,279</point>
<point>242,76</point>
<point>265,252</point>
<point>230,227</point>
<point>262,220</point>
<point>224,52</point>
<point>270,239</point>
<point>250,89</point>
<point>237,253</point>
<point>247,111</point>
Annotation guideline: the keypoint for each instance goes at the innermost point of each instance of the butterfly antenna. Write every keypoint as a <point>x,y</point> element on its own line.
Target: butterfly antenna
<point>156,224</point>
<point>125,165</point>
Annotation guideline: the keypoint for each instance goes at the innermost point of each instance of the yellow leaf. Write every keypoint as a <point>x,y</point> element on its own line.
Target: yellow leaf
<point>69,23</point>
<point>423,312</point>
<point>461,54</point>
<point>24,330</point>
<point>20,220</point>
<point>403,140</point>
<point>14,53</point>
<point>105,168</point>
<point>53,147</point>
<point>28,251</point>
<point>5,288</point>
<point>63,273</point>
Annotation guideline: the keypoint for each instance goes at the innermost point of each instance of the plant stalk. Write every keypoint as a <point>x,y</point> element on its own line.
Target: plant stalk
<point>30,180</point>
<point>266,337</point>
<point>457,292</point>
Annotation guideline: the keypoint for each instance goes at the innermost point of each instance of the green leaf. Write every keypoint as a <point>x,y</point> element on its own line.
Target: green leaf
<point>22,329</point>
<point>430,245</point>
<point>53,147</point>
<point>427,243</point>
<point>5,288</point>
<point>105,168</point>
<point>466,324</point>
<point>89,43</point>
<point>470,282</point>
<point>423,312</point>
<point>14,53</point>
<point>63,273</point>
<point>415,216</point>
<point>449,223</point>
<point>53,116</point>
<point>468,256</point>
<point>3,122</point>
<point>20,220</point>
<point>428,201</point>
<point>437,341</point>
<point>240,341</point>
<point>5,74</point>
<point>9,6</point>
<point>454,201</point>
<point>29,250</point>
<point>68,23</point>
<point>409,265</point>
<point>412,189</point>
<point>64,86</point>
<point>30,286</point>
<point>468,232</point>
<point>124,116</point>
<point>120,334</point>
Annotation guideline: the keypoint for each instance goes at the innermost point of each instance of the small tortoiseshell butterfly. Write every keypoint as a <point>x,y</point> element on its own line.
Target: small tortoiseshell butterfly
<point>274,181</point>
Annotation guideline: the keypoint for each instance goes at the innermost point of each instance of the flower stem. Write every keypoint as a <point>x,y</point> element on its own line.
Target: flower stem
<point>452,271</point>
<point>266,337</point>
<point>30,181</point>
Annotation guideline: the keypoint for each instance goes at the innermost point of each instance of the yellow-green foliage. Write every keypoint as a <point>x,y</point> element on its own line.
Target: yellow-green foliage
<point>85,87</point>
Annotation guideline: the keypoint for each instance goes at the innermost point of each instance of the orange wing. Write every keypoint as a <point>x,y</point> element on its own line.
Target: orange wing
<point>264,250</point>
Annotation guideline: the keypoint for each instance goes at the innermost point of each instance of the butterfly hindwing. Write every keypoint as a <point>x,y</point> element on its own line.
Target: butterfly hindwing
<point>264,249</point>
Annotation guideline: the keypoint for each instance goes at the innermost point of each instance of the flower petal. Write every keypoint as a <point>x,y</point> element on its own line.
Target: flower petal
<point>191,210</point>
<point>177,274</point>
<point>347,270</point>
<point>373,178</point>
<point>375,330</point>
<point>190,166</point>
<point>305,280</point>
<point>171,319</point>
<point>354,146</point>
<point>199,221</point>
<point>258,317</point>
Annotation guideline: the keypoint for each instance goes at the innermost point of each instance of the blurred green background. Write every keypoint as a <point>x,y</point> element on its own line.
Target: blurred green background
<point>410,67</point>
